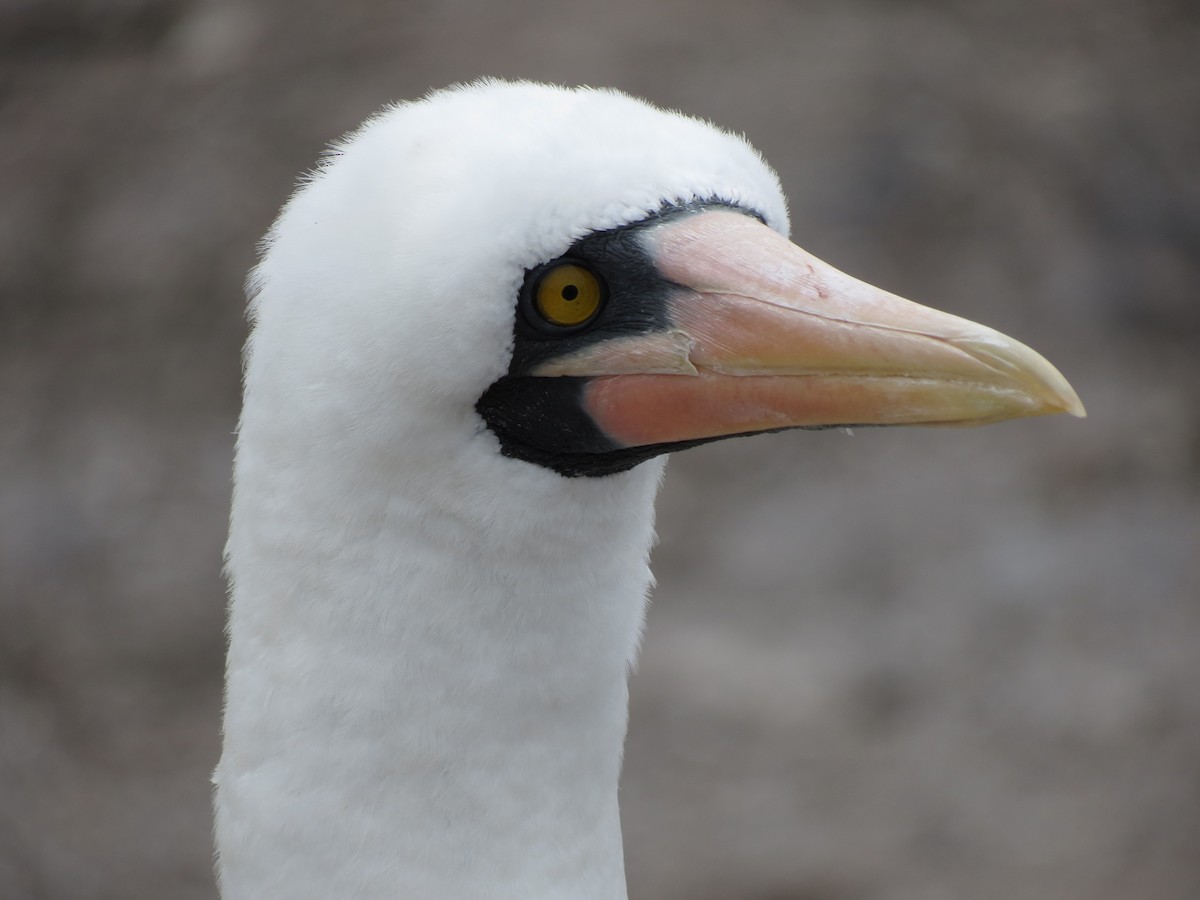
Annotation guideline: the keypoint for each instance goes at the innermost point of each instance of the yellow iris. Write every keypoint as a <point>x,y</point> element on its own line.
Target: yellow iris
<point>568,295</point>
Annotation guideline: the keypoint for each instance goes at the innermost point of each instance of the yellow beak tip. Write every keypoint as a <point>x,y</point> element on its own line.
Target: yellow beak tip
<point>1062,397</point>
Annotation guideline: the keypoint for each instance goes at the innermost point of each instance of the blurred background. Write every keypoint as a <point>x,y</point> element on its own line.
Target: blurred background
<point>894,664</point>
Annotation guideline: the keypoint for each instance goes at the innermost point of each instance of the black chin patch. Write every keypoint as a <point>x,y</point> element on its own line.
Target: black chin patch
<point>541,419</point>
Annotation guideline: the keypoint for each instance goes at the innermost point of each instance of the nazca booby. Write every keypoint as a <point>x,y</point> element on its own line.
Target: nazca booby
<point>476,329</point>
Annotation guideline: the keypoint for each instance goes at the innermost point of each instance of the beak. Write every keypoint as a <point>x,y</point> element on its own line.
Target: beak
<point>765,336</point>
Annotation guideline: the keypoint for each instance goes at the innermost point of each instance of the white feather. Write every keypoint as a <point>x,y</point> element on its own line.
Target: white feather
<point>429,641</point>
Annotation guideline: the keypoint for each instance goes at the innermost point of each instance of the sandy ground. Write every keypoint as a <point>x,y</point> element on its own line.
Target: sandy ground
<point>893,664</point>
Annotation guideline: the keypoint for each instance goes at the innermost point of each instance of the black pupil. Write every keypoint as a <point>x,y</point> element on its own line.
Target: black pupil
<point>570,292</point>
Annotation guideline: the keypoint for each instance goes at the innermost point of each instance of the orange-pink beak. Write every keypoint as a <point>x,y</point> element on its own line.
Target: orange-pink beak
<point>766,336</point>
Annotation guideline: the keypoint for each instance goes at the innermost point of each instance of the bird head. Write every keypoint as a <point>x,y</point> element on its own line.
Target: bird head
<point>576,280</point>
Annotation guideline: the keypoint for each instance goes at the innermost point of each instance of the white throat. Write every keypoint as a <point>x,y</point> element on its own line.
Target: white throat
<point>428,699</point>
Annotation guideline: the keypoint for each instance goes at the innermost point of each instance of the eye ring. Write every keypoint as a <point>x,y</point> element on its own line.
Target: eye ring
<point>563,296</point>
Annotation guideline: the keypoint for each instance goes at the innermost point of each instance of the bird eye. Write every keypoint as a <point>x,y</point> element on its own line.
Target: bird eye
<point>568,295</point>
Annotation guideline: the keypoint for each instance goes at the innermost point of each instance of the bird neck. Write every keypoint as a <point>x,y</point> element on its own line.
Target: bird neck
<point>426,688</point>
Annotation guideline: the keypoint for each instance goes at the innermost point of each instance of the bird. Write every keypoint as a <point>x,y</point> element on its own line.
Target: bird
<point>477,328</point>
